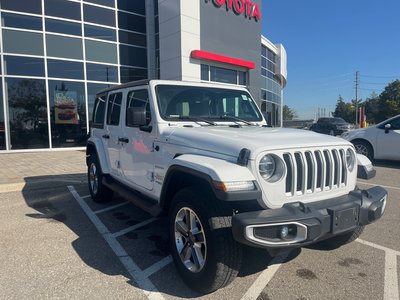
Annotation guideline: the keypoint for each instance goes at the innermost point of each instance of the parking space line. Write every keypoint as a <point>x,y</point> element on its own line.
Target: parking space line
<point>265,277</point>
<point>157,266</point>
<point>110,207</point>
<point>134,227</point>
<point>133,269</point>
<point>391,291</point>
<point>374,184</point>
<point>395,252</point>
<point>87,196</point>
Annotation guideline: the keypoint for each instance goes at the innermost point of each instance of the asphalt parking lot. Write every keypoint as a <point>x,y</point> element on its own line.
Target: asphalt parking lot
<point>56,243</point>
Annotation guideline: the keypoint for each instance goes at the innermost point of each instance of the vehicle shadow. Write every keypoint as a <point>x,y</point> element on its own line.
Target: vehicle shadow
<point>51,200</point>
<point>393,164</point>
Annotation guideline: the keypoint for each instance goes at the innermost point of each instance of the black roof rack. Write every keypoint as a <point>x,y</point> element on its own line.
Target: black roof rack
<point>125,85</point>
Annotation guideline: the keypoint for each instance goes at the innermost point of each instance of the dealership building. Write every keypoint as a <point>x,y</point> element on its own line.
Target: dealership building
<point>56,54</point>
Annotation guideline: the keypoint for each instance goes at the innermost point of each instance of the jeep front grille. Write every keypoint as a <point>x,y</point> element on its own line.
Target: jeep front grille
<point>314,171</point>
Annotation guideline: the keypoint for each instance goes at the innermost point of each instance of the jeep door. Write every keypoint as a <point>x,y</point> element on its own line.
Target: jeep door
<point>137,156</point>
<point>112,132</point>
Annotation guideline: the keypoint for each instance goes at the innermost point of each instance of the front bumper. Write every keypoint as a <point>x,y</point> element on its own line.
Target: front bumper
<point>308,223</point>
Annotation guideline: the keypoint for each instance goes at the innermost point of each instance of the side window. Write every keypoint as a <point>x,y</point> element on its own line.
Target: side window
<point>99,111</point>
<point>395,124</point>
<point>114,109</point>
<point>139,98</point>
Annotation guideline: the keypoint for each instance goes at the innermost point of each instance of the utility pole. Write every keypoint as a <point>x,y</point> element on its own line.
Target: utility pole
<point>357,73</point>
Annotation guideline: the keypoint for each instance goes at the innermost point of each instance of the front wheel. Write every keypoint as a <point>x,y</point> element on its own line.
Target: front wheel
<point>99,192</point>
<point>363,148</point>
<point>343,239</point>
<point>202,246</point>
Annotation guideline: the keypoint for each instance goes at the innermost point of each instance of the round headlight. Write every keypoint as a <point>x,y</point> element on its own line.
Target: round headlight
<point>267,166</point>
<point>350,160</point>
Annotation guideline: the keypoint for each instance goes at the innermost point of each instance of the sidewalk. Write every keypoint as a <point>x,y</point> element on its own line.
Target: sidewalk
<point>18,170</point>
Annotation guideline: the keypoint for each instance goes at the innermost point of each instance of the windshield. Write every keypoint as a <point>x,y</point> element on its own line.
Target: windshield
<point>188,102</point>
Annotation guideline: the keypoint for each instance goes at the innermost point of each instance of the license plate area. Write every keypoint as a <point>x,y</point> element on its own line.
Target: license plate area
<point>344,219</point>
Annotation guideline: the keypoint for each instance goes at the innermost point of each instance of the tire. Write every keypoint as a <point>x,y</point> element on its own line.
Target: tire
<point>99,192</point>
<point>364,148</point>
<point>211,257</point>
<point>340,240</point>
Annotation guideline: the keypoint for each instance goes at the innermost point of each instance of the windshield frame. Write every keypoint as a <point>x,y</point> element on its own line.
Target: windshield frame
<point>218,118</point>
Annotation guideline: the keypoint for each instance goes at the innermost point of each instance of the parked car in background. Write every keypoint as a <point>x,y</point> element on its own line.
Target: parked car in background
<point>381,141</point>
<point>331,126</point>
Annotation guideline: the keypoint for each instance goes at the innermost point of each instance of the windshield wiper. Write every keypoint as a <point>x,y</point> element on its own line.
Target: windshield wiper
<point>197,120</point>
<point>233,118</point>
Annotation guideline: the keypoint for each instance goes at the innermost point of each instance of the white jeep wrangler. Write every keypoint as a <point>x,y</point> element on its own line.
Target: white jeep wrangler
<point>203,154</point>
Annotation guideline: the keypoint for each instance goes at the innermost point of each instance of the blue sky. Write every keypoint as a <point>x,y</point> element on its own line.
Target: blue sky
<point>327,42</point>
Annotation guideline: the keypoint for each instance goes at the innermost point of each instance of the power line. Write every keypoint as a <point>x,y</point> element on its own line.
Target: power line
<point>374,76</point>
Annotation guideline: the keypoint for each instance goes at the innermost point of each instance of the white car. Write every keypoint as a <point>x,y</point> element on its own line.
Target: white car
<point>381,141</point>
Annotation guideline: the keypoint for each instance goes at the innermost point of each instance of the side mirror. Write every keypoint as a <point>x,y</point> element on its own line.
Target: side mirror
<point>136,116</point>
<point>387,128</point>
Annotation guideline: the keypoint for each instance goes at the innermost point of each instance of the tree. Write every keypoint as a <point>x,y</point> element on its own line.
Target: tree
<point>372,108</point>
<point>389,101</point>
<point>288,113</point>
<point>344,110</point>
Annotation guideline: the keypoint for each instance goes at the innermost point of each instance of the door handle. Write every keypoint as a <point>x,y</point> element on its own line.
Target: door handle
<point>105,136</point>
<point>123,140</point>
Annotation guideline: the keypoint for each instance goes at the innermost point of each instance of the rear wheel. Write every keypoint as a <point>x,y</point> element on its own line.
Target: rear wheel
<point>99,192</point>
<point>364,148</point>
<point>202,246</point>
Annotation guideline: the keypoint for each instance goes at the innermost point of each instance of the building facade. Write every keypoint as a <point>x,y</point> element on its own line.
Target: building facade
<point>56,54</point>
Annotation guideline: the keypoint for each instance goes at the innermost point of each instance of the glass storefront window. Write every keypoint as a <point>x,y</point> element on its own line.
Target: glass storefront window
<point>205,73</point>
<point>101,52</point>
<point>22,42</point>
<point>101,33</point>
<point>97,72</point>
<point>21,21</point>
<point>24,66</point>
<point>64,69</point>
<point>132,74</point>
<point>65,27</point>
<point>67,114</point>
<point>133,56</point>
<point>137,7</point>
<point>109,3</point>
<point>223,75</point>
<point>99,15</point>
<point>27,113</point>
<point>31,6</point>
<point>132,38</point>
<point>131,22</point>
<point>62,9</point>
<point>2,124</point>
<point>66,47</point>
<point>92,90</point>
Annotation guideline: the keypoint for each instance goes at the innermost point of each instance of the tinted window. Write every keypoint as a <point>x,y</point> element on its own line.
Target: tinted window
<point>2,124</point>
<point>100,33</point>
<point>63,9</point>
<point>114,109</point>
<point>63,27</point>
<point>99,111</point>
<point>132,74</point>
<point>31,6</point>
<point>101,52</point>
<point>27,113</point>
<point>139,98</point>
<point>395,124</point>
<point>21,21</point>
<point>97,72</point>
<point>99,15</point>
<point>131,22</point>
<point>110,3</point>
<point>133,56</point>
<point>65,69</point>
<point>92,90</point>
<point>67,113</point>
<point>223,75</point>
<point>132,6</point>
<point>205,73</point>
<point>61,46</point>
<point>132,38</point>
<point>22,42</point>
<point>27,66</point>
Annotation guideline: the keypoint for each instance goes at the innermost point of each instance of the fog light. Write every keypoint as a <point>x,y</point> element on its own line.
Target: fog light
<point>284,232</point>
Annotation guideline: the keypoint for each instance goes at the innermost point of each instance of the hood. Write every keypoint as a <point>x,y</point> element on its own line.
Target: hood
<point>229,140</point>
